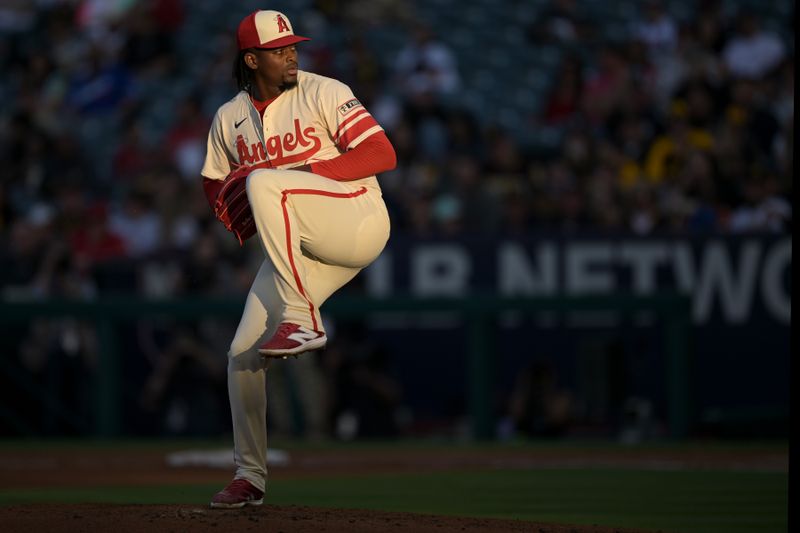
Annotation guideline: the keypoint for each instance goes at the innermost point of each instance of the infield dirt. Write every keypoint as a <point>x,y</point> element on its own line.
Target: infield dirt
<point>73,518</point>
<point>49,468</point>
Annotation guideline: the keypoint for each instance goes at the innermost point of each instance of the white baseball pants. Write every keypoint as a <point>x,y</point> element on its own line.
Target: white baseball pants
<point>317,234</point>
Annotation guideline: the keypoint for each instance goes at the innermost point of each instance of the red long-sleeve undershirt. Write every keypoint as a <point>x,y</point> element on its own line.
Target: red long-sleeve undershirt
<point>212,188</point>
<point>373,155</point>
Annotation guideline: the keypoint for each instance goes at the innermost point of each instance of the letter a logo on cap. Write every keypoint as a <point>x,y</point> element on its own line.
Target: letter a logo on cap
<point>282,26</point>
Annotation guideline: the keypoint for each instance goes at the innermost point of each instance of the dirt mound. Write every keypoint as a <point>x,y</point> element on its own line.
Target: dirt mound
<point>73,518</point>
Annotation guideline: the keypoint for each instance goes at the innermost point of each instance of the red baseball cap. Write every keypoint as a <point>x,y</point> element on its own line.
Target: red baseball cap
<point>266,29</point>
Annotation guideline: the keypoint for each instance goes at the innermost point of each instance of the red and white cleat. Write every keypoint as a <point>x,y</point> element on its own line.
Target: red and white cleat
<point>291,339</point>
<point>237,494</point>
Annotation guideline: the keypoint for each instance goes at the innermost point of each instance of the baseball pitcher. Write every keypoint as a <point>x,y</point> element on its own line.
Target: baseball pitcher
<point>291,160</point>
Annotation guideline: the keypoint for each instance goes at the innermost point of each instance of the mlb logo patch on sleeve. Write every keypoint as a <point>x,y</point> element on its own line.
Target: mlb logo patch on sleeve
<point>346,107</point>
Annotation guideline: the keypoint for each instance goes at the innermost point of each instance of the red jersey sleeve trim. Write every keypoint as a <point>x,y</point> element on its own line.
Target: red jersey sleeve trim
<point>355,131</point>
<point>349,120</point>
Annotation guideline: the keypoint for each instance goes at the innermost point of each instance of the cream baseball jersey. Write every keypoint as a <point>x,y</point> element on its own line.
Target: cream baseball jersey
<point>316,120</point>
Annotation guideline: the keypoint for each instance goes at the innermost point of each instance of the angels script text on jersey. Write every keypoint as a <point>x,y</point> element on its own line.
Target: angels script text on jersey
<point>279,148</point>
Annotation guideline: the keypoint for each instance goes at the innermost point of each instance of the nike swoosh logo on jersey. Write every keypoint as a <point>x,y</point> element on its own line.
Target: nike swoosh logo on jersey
<point>237,124</point>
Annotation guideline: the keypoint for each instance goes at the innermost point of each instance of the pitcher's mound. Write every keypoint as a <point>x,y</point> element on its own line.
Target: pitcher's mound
<point>268,518</point>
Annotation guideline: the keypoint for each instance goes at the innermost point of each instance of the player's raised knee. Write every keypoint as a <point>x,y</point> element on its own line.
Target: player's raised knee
<point>258,179</point>
<point>268,181</point>
<point>260,188</point>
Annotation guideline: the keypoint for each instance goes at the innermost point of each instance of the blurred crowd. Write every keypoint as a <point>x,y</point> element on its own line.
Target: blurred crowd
<point>678,125</point>
<point>681,125</point>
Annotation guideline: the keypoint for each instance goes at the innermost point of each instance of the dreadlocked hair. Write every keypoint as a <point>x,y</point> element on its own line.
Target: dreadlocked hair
<point>242,73</point>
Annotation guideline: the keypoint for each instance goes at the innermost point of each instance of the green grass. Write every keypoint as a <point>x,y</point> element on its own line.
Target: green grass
<point>680,501</point>
<point>776,446</point>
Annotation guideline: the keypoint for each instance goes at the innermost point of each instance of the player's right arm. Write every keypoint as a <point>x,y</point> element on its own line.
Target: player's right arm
<point>364,148</point>
<point>375,154</point>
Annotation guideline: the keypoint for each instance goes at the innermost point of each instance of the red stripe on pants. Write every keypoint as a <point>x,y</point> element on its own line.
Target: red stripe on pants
<point>288,229</point>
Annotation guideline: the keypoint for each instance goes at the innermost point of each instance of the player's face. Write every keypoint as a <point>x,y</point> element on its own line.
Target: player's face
<point>277,67</point>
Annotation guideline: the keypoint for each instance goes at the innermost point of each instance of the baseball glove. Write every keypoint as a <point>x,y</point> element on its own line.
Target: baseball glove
<point>232,207</point>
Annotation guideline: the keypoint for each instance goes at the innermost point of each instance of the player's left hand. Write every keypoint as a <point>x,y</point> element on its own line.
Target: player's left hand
<point>232,207</point>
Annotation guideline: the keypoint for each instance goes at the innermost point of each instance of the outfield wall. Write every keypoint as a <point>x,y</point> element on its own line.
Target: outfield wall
<point>670,337</point>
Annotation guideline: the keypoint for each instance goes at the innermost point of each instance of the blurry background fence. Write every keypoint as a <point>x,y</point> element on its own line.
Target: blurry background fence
<point>478,312</point>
